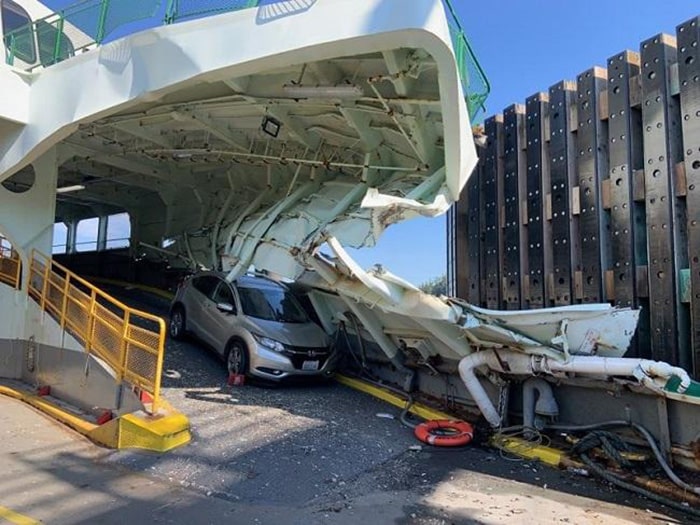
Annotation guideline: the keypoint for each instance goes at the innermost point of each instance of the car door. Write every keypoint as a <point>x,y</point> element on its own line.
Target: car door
<point>195,301</point>
<point>217,324</point>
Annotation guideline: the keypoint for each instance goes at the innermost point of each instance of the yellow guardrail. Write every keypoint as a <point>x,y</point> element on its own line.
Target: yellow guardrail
<point>10,264</point>
<point>132,342</point>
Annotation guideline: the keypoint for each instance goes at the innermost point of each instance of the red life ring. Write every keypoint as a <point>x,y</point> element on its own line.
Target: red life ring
<point>445,433</point>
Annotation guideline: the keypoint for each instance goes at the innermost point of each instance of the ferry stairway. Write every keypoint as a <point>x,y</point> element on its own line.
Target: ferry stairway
<point>83,357</point>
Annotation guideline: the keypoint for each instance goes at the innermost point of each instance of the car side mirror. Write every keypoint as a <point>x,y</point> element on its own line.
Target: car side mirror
<point>226,308</point>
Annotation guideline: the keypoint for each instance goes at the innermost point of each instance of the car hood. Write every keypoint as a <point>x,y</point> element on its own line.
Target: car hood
<point>308,335</point>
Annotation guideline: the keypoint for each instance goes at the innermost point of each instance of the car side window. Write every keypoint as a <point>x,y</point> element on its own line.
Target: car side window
<point>205,284</point>
<point>223,294</point>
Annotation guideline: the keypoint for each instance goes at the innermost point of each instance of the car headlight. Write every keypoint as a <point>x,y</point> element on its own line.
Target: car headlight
<point>269,343</point>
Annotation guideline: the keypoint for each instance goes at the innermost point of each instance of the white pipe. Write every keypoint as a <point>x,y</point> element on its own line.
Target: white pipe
<point>466,372</point>
<point>644,370</point>
<point>516,363</point>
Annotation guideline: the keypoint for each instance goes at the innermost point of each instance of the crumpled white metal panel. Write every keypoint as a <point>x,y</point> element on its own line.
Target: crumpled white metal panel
<point>454,328</point>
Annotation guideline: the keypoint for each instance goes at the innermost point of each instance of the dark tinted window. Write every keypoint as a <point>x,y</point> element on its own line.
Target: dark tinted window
<point>272,304</point>
<point>223,294</point>
<point>53,47</point>
<point>16,26</point>
<point>205,284</point>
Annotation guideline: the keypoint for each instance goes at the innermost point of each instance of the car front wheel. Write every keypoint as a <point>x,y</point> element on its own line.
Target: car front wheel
<point>177,324</point>
<point>236,358</point>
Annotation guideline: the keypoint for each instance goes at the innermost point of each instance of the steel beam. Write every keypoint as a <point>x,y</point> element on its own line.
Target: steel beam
<point>665,213</point>
<point>513,261</point>
<point>689,82</point>
<point>492,192</point>
<point>592,170</point>
<point>141,131</point>
<point>474,224</point>
<point>565,248</point>
<point>538,183</point>
<point>626,283</point>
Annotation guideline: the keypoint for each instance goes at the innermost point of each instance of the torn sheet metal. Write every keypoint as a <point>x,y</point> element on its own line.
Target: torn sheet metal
<point>454,328</point>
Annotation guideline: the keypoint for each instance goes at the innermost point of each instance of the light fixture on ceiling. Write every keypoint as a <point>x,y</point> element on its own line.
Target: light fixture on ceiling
<point>339,91</point>
<point>271,126</point>
<point>69,189</point>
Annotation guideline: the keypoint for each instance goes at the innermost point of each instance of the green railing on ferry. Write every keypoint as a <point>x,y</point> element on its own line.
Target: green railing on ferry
<point>88,23</point>
<point>59,36</point>
<point>474,80</point>
<point>184,9</point>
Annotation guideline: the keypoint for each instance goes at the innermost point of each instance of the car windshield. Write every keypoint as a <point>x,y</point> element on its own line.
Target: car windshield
<point>271,304</point>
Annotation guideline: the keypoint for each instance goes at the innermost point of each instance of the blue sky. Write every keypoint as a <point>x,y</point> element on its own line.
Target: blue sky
<point>524,47</point>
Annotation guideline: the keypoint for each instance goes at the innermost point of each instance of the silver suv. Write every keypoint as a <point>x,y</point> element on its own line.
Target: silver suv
<point>256,324</point>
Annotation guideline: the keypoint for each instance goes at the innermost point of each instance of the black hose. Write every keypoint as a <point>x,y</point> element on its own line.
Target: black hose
<point>341,326</point>
<point>366,376</point>
<point>646,434</point>
<point>403,417</point>
<point>608,476</point>
<point>404,414</point>
<point>612,444</point>
<point>358,335</point>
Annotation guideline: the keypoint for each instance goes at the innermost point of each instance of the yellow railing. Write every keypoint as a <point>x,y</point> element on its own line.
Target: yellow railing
<point>10,264</point>
<point>128,340</point>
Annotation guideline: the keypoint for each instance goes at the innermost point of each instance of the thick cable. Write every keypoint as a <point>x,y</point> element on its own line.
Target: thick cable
<point>608,476</point>
<point>646,434</point>
<point>615,480</point>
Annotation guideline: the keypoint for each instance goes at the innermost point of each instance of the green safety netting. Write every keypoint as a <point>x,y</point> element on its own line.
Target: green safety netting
<point>58,36</point>
<point>89,22</point>
<point>185,9</point>
<point>476,84</point>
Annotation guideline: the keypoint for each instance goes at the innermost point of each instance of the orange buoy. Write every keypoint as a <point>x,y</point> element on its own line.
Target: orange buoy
<point>445,433</point>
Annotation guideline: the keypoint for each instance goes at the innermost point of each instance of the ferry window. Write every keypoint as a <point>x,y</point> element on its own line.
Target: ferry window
<point>60,238</point>
<point>86,235</point>
<point>53,47</point>
<point>5,248</point>
<point>17,28</point>
<point>118,231</point>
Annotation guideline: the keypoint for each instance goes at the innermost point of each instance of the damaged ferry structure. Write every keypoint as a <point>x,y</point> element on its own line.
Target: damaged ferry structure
<point>275,136</point>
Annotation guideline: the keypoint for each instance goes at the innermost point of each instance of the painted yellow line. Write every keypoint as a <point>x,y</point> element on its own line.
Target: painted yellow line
<point>159,434</point>
<point>16,518</point>
<point>391,398</point>
<point>82,426</point>
<point>520,447</point>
